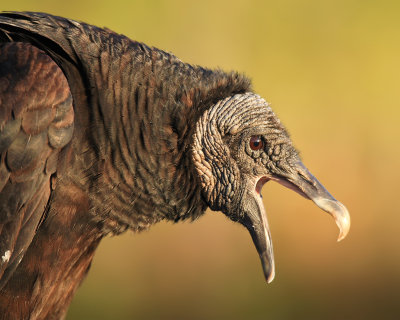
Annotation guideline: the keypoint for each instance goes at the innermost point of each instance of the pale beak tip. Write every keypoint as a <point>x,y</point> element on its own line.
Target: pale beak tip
<point>339,213</point>
<point>342,221</point>
<point>341,237</point>
<point>271,277</point>
<point>344,226</point>
<point>268,267</point>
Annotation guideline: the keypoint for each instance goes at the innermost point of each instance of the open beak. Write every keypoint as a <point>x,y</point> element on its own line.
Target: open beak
<point>255,220</point>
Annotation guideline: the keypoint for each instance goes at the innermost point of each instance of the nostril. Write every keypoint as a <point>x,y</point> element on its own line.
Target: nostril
<point>307,179</point>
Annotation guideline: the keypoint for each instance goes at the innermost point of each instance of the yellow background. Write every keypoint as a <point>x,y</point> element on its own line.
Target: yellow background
<point>331,70</point>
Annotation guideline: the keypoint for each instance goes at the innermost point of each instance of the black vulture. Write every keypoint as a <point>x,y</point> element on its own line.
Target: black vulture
<point>100,134</point>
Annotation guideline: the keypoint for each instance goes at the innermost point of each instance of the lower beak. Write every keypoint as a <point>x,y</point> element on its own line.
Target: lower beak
<point>254,218</point>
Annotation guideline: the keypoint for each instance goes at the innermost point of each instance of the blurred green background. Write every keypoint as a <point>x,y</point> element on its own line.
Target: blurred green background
<point>331,70</point>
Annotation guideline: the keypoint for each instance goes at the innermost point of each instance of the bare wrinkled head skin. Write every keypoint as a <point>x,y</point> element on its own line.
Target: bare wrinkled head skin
<point>240,144</point>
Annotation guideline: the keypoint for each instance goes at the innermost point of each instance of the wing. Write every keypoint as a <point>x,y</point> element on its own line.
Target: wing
<point>36,122</point>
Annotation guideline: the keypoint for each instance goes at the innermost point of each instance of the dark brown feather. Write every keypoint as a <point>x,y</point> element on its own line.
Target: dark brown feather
<point>32,87</point>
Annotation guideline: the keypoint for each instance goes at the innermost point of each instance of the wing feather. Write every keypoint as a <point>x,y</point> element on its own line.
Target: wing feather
<point>36,121</point>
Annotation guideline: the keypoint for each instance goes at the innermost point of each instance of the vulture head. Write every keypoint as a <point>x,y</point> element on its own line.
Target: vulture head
<point>239,145</point>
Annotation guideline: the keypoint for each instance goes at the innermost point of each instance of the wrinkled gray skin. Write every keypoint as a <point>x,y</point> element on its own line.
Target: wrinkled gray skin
<point>232,174</point>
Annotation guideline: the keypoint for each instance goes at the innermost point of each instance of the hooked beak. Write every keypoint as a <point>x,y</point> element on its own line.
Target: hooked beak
<point>255,220</point>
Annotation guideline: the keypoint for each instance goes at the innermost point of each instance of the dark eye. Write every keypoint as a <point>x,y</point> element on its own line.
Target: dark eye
<point>256,143</point>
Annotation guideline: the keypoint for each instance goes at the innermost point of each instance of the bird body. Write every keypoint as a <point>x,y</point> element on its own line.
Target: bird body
<point>100,134</point>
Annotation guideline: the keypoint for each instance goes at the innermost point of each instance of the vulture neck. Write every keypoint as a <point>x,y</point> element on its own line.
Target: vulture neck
<point>146,119</point>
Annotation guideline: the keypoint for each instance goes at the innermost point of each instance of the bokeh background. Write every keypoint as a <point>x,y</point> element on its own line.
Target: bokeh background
<point>331,70</point>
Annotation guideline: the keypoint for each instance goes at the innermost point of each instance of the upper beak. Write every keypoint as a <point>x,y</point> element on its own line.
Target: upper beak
<point>255,220</point>
<point>303,182</point>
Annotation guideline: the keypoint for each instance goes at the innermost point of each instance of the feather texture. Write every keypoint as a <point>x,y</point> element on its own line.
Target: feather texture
<point>95,134</point>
